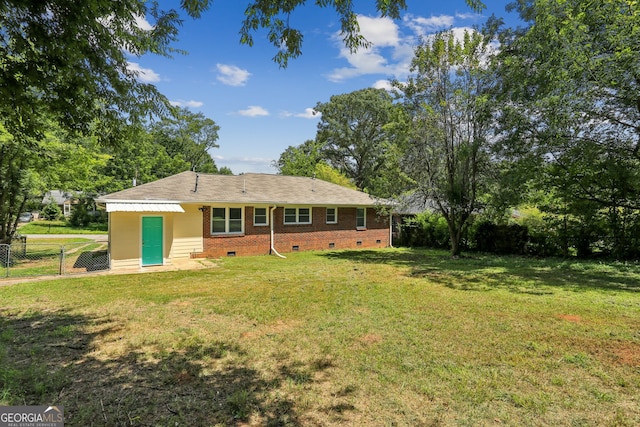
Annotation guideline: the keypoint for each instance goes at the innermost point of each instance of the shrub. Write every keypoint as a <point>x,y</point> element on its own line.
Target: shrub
<point>84,213</point>
<point>427,229</point>
<point>51,212</point>
<point>79,215</point>
<point>501,238</point>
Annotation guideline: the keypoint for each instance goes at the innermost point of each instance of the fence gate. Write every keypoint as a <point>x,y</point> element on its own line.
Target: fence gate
<point>22,258</point>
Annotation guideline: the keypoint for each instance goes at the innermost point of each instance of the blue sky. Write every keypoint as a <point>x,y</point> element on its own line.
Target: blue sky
<point>262,109</point>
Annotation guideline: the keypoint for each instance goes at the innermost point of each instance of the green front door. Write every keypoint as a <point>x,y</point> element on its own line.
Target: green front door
<point>151,240</point>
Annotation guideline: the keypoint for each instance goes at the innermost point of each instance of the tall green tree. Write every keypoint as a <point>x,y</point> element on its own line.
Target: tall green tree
<point>356,135</point>
<point>299,160</point>
<point>571,101</point>
<point>68,61</point>
<point>447,150</point>
<point>14,185</point>
<point>306,160</point>
<point>189,136</point>
<point>139,160</point>
<point>55,161</point>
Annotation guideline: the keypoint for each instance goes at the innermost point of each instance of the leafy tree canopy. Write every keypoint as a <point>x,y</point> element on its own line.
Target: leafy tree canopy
<point>447,151</point>
<point>356,135</point>
<point>571,87</point>
<point>300,160</point>
<point>67,60</point>
<point>189,136</point>
<point>306,160</point>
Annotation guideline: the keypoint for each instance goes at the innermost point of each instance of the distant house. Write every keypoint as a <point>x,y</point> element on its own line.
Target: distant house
<point>191,215</point>
<point>63,199</point>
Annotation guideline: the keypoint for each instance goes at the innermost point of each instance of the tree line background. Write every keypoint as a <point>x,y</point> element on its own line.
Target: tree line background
<point>511,140</point>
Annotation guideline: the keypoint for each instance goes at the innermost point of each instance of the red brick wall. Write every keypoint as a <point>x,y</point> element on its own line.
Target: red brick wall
<point>303,237</point>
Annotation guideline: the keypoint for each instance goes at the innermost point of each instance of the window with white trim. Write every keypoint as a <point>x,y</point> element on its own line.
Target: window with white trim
<point>260,216</point>
<point>297,215</point>
<point>227,221</point>
<point>332,215</point>
<point>361,217</point>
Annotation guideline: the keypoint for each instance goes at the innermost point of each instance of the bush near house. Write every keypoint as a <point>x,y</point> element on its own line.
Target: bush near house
<point>530,233</point>
<point>501,238</point>
<point>51,212</point>
<point>426,229</point>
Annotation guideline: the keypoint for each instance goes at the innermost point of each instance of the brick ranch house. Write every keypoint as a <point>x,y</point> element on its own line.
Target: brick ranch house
<point>191,215</point>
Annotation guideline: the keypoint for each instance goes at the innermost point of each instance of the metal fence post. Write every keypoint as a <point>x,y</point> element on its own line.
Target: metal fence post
<point>61,269</point>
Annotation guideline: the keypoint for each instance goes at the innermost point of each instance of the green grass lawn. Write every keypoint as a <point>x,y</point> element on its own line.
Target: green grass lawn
<point>60,227</point>
<point>369,338</point>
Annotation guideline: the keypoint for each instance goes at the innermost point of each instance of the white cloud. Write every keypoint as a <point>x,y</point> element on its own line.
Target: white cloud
<point>386,45</point>
<point>254,111</point>
<point>309,113</point>
<point>232,75</point>
<point>421,25</point>
<point>364,61</point>
<point>469,16</point>
<point>383,84</point>
<point>458,34</point>
<point>146,75</point>
<point>392,50</point>
<point>379,31</point>
<point>190,103</point>
<point>142,23</point>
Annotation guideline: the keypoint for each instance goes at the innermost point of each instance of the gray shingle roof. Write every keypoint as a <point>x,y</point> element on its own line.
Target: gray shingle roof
<point>192,187</point>
<point>58,197</point>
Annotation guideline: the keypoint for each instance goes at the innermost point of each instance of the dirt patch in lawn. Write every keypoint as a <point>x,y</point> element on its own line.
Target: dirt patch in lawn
<point>570,318</point>
<point>369,339</point>
<point>277,327</point>
<point>626,353</point>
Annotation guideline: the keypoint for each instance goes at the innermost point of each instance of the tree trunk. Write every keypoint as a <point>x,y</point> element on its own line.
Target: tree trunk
<point>454,238</point>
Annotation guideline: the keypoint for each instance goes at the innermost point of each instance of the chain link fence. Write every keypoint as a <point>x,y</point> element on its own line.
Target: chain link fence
<point>23,259</point>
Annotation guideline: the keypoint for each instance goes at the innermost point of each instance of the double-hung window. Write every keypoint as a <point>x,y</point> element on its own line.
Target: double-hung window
<point>361,217</point>
<point>332,215</point>
<point>260,216</point>
<point>297,215</point>
<point>227,221</point>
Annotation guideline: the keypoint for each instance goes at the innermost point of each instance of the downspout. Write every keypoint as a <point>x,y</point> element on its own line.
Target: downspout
<point>109,231</point>
<point>273,249</point>
<point>390,230</point>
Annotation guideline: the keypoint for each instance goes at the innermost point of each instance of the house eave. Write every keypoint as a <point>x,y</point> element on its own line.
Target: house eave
<point>249,202</point>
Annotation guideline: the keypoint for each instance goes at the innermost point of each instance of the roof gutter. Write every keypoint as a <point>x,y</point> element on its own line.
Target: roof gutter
<point>273,249</point>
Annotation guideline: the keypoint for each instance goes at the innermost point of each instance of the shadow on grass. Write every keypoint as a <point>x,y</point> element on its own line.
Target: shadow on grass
<point>92,260</point>
<point>48,358</point>
<point>482,272</point>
